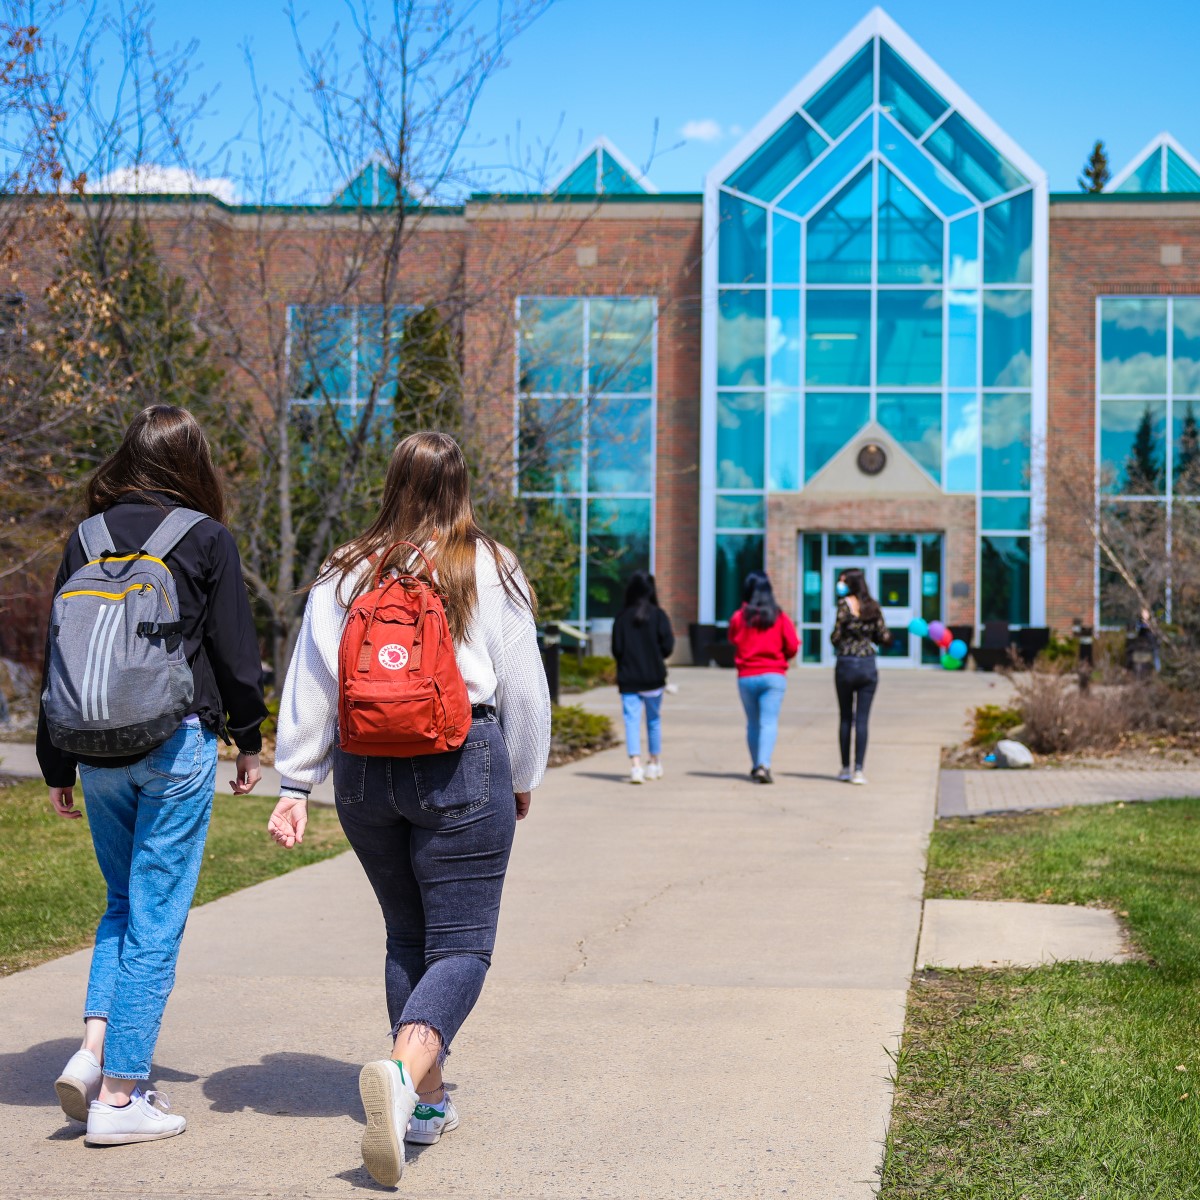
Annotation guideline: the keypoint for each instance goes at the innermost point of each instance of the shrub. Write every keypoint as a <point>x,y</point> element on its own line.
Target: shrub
<point>990,722</point>
<point>578,675</point>
<point>1060,650</point>
<point>576,733</point>
<point>1058,717</point>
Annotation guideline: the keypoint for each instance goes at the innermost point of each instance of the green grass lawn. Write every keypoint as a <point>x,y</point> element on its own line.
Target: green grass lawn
<point>51,891</point>
<point>1069,1082</point>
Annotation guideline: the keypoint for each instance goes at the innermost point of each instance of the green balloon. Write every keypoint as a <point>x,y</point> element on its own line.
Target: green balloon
<point>951,663</point>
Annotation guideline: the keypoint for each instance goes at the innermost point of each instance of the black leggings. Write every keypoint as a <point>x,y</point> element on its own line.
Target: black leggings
<point>855,677</point>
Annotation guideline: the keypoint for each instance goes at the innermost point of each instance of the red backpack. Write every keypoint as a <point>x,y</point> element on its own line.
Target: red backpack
<point>401,690</point>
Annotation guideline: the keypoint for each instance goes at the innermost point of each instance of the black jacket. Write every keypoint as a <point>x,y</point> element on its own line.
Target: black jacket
<point>641,651</point>
<point>218,634</point>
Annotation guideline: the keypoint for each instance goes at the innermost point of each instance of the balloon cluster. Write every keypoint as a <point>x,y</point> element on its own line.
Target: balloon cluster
<point>954,650</point>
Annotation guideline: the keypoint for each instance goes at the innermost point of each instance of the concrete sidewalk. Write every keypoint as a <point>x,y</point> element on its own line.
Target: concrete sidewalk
<point>695,989</point>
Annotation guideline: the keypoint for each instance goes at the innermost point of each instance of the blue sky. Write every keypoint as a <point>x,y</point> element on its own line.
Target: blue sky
<point>1055,74</point>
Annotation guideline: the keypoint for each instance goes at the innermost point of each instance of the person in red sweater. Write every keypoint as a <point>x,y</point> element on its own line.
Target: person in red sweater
<point>764,641</point>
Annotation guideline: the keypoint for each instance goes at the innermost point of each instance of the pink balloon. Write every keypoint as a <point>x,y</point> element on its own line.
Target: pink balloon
<point>946,638</point>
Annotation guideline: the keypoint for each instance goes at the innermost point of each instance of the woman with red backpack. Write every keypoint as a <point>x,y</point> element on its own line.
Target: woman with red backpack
<point>417,679</point>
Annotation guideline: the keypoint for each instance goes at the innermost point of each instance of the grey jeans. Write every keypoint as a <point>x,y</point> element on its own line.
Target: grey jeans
<point>433,835</point>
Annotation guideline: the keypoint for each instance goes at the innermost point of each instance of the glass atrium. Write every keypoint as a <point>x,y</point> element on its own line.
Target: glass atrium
<point>876,253</point>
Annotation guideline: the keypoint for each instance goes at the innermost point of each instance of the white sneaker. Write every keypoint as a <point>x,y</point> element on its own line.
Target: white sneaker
<point>637,775</point>
<point>146,1118</point>
<point>844,775</point>
<point>654,770</point>
<point>428,1123</point>
<point>858,777</point>
<point>79,1084</point>
<point>389,1101</point>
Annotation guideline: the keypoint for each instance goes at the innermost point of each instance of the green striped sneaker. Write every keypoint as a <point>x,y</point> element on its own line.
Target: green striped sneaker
<point>428,1123</point>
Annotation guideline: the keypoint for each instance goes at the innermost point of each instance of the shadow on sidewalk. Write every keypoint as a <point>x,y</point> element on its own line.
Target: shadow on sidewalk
<point>27,1077</point>
<point>289,1085</point>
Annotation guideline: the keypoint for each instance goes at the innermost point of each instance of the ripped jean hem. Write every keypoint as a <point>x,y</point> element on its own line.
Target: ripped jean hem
<point>430,1030</point>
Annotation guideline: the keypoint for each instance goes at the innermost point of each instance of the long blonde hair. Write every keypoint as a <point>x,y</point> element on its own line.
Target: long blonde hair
<point>427,501</point>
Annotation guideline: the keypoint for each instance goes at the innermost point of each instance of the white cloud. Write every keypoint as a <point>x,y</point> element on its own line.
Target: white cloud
<point>702,129</point>
<point>152,178</point>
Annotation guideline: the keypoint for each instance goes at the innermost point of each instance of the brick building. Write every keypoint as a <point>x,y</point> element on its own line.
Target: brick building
<point>874,338</point>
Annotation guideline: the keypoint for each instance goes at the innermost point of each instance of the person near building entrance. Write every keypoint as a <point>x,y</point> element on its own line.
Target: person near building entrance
<point>433,830</point>
<point>135,697</point>
<point>858,630</point>
<point>642,641</point>
<point>765,642</point>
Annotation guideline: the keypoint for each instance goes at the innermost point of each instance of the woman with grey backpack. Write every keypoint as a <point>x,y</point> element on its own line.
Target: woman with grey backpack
<point>151,655</point>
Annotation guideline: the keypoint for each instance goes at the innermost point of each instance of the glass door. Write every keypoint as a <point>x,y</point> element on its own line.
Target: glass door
<point>896,587</point>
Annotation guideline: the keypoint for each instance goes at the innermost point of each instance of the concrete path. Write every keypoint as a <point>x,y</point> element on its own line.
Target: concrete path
<point>973,793</point>
<point>1004,933</point>
<point>695,990</point>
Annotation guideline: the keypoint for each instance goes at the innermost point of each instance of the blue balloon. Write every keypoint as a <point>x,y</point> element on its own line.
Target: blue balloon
<point>918,627</point>
<point>957,648</point>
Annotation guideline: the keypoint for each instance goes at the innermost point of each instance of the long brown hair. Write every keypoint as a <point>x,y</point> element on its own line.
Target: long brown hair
<point>868,606</point>
<point>427,501</point>
<point>163,450</point>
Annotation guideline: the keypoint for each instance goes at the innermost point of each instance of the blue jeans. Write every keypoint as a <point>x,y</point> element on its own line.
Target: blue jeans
<point>762,698</point>
<point>433,835</point>
<point>631,706</point>
<point>148,824</point>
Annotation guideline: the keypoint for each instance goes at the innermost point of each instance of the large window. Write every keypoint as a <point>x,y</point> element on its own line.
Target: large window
<point>875,266</point>
<point>338,354</point>
<point>1148,441</point>
<point>586,423</point>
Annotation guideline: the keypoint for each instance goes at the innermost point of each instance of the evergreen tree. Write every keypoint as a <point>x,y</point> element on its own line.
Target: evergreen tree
<point>1143,470</point>
<point>1187,455</point>
<point>1095,171</point>
<point>428,384</point>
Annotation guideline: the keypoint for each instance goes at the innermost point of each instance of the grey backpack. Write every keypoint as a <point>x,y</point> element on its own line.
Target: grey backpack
<point>118,682</point>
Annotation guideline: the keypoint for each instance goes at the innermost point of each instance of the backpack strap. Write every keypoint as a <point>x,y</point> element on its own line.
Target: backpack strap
<point>94,537</point>
<point>171,531</point>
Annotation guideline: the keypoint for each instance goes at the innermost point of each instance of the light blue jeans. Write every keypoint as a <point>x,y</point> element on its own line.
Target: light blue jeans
<point>148,823</point>
<point>632,706</point>
<point>762,698</point>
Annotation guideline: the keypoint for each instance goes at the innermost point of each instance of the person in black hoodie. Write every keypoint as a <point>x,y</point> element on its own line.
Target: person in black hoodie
<point>148,813</point>
<point>642,641</point>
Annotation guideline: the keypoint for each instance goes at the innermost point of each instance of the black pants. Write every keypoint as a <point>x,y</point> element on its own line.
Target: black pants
<point>856,680</point>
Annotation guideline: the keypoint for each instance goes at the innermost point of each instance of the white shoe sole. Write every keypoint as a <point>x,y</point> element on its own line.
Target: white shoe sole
<point>382,1150</point>
<point>127,1139</point>
<point>432,1139</point>
<point>72,1097</point>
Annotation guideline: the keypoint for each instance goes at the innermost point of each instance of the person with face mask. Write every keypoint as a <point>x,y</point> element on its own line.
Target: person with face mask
<point>859,628</point>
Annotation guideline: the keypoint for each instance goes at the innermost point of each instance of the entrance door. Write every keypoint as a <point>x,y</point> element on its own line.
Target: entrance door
<point>895,582</point>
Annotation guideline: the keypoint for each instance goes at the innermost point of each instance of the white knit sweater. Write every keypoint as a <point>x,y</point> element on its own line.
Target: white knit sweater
<point>499,661</point>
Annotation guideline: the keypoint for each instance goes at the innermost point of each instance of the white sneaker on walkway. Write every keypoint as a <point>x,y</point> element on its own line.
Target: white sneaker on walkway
<point>654,770</point>
<point>389,1101</point>
<point>858,776</point>
<point>844,775</point>
<point>146,1118</point>
<point>430,1121</point>
<point>79,1084</point>
<point>637,775</point>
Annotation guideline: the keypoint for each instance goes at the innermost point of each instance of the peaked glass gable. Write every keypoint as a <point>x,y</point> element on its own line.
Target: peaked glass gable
<point>1161,169</point>
<point>599,173</point>
<point>373,187</point>
<point>876,270</point>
